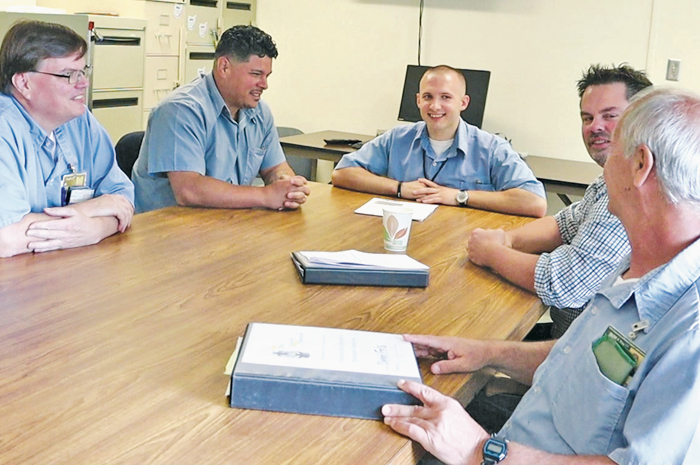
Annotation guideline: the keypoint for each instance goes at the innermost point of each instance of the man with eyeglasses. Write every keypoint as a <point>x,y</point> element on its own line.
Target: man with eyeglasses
<point>208,140</point>
<point>442,159</point>
<point>60,186</point>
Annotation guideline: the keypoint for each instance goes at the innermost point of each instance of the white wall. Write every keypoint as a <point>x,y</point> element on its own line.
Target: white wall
<point>342,62</point>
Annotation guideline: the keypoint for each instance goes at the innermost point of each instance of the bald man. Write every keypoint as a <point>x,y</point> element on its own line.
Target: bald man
<point>442,159</point>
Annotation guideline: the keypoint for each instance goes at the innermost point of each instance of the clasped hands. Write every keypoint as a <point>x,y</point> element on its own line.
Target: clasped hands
<point>288,192</point>
<point>426,191</point>
<point>81,224</point>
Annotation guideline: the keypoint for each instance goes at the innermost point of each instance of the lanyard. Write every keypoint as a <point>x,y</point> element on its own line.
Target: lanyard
<point>425,174</point>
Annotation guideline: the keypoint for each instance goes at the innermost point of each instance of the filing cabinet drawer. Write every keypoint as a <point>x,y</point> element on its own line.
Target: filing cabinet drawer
<point>198,60</point>
<point>202,22</point>
<point>165,20</point>
<point>118,58</point>
<point>161,79</point>
<point>120,112</point>
<point>237,13</point>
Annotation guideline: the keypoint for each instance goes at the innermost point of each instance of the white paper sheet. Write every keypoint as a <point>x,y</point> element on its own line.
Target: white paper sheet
<point>374,208</point>
<point>330,349</point>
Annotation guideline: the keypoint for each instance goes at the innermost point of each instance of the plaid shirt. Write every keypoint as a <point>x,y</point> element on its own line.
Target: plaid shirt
<point>594,243</point>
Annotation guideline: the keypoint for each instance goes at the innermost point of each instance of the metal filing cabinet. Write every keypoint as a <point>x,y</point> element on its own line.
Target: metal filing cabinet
<point>118,78</point>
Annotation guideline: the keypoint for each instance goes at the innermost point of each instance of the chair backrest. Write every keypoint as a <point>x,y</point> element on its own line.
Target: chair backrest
<point>300,165</point>
<point>127,150</point>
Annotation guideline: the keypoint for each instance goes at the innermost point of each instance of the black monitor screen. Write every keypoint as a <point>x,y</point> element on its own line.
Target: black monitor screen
<point>477,87</point>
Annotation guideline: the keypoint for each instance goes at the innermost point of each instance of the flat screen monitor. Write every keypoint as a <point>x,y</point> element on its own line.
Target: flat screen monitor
<point>477,87</point>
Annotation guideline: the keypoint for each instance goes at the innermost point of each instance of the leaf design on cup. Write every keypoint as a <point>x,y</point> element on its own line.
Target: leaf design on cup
<point>401,233</point>
<point>392,224</point>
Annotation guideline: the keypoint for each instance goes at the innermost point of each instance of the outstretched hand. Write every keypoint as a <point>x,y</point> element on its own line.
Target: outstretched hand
<point>441,425</point>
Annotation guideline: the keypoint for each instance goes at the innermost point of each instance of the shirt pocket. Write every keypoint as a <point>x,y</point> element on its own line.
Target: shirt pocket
<point>586,410</point>
<point>477,183</point>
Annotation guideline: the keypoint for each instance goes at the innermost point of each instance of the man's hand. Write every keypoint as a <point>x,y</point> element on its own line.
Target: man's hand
<point>108,205</point>
<point>286,192</point>
<point>435,193</point>
<point>441,426</point>
<point>458,355</point>
<point>482,243</point>
<point>409,189</point>
<point>69,229</point>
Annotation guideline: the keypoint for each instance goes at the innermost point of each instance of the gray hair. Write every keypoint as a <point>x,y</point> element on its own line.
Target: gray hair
<point>667,120</point>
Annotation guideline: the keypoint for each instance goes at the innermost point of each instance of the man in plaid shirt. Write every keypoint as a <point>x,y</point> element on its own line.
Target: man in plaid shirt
<point>564,258</point>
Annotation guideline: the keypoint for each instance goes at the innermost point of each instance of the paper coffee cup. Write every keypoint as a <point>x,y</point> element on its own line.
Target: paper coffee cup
<point>396,223</point>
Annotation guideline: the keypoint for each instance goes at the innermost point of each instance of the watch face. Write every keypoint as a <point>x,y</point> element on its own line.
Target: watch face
<point>495,450</point>
<point>462,197</point>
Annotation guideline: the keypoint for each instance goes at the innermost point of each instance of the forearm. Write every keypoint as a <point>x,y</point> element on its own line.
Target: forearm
<point>195,190</point>
<point>13,237</point>
<point>519,360</point>
<point>511,201</point>
<point>359,179</point>
<point>276,173</point>
<point>517,267</point>
<point>521,454</point>
<point>541,235</point>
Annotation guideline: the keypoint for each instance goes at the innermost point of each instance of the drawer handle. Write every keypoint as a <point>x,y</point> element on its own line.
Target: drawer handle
<point>115,102</point>
<point>112,40</point>
<point>238,6</point>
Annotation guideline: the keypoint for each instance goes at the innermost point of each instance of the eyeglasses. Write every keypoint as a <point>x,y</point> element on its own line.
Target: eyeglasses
<point>73,77</point>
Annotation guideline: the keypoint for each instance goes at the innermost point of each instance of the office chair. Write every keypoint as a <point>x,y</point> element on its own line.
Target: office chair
<point>300,165</point>
<point>127,150</point>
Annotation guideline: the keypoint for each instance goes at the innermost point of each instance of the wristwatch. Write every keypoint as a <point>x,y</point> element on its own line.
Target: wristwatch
<point>462,198</point>
<point>495,450</point>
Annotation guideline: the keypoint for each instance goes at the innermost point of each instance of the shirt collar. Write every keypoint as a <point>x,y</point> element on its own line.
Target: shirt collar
<point>461,142</point>
<point>37,132</point>
<point>658,290</point>
<point>247,115</point>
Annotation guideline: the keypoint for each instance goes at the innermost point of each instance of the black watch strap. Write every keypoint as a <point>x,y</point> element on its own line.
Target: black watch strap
<point>398,190</point>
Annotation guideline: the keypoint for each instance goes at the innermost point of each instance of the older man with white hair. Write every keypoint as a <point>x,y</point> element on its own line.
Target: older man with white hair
<point>622,384</point>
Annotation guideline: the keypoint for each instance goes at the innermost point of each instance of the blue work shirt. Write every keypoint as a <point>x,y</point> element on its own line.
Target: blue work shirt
<point>572,408</point>
<point>476,160</point>
<point>193,130</point>
<point>32,165</point>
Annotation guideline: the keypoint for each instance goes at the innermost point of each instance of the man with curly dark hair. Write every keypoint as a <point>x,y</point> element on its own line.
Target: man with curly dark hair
<point>207,141</point>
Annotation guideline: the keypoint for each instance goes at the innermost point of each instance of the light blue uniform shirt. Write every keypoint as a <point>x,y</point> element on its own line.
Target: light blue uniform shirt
<point>32,165</point>
<point>476,160</point>
<point>192,130</point>
<point>572,408</point>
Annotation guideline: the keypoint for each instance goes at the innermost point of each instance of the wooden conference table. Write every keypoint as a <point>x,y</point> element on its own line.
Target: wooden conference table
<point>114,353</point>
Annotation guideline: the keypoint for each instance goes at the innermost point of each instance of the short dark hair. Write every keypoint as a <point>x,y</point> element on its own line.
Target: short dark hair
<point>27,43</point>
<point>597,75</point>
<point>242,42</point>
<point>447,68</point>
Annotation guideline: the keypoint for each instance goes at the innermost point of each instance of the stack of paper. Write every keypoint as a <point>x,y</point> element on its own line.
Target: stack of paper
<point>354,258</point>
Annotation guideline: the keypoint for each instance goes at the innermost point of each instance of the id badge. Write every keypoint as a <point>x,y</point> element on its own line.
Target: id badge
<point>77,194</point>
<point>617,357</point>
<point>76,179</point>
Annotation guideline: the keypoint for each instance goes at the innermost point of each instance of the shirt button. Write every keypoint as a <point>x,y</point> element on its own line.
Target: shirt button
<point>537,390</point>
<point>434,163</point>
<point>567,349</point>
<point>594,311</point>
